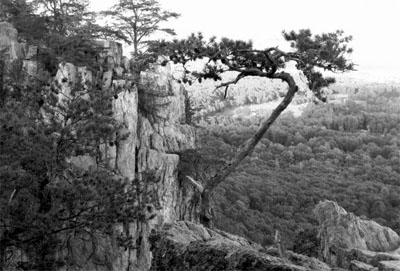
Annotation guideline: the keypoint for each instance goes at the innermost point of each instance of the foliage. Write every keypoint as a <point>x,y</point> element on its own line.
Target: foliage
<point>69,18</point>
<point>306,242</point>
<point>342,151</point>
<point>20,14</point>
<point>327,51</point>
<point>137,20</point>
<point>63,17</point>
<point>44,190</point>
<point>209,104</point>
<point>62,30</point>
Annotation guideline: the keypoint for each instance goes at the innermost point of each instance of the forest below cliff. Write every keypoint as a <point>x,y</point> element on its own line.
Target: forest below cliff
<point>346,150</point>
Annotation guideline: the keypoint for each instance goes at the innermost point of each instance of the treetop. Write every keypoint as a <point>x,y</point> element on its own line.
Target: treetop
<point>311,53</point>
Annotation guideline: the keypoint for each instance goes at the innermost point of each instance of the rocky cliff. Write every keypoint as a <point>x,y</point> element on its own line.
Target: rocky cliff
<point>184,246</point>
<point>154,133</point>
<point>15,50</point>
<point>346,241</point>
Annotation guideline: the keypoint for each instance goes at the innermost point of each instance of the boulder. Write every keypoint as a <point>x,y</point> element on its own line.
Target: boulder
<point>360,266</point>
<point>346,239</point>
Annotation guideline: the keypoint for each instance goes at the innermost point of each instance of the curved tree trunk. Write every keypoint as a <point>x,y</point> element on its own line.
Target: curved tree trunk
<point>206,214</point>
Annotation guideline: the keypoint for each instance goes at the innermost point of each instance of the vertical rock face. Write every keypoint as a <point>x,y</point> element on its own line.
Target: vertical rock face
<point>15,50</point>
<point>345,238</point>
<point>8,39</point>
<point>153,133</point>
<point>163,134</point>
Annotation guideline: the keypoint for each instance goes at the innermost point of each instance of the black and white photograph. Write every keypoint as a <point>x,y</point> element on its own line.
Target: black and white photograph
<point>199,135</point>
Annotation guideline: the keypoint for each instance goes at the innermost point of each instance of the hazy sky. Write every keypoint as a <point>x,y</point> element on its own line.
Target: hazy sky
<point>374,25</point>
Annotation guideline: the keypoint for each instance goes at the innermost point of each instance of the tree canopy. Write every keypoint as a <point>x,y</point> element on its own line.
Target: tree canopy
<point>137,20</point>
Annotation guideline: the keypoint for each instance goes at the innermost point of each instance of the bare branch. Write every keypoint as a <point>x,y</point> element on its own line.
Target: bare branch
<point>227,84</point>
<point>12,196</point>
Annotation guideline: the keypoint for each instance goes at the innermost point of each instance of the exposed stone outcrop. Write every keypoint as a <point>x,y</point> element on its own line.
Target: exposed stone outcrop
<point>187,246</point>
<point>152,114</point>
<point>389,266</point>
<point>153,134</point>
<point>346,241</point>
<point>360,266</point>
<point>15,50</point>
<point>8,41</point>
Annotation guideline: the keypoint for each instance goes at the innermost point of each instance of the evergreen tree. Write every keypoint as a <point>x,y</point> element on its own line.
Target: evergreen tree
<point>64,16</point>
<point>310,53</point>
<point>137,20</point>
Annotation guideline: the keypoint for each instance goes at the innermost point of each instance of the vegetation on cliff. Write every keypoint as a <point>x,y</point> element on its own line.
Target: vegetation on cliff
<point>137,20</point>
<point>55,181</point>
